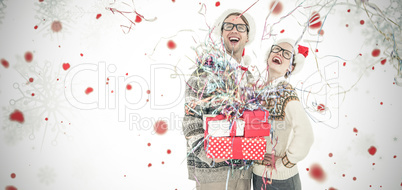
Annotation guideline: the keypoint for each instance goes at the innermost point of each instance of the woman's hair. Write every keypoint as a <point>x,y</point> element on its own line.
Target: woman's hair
<point>293,63</point>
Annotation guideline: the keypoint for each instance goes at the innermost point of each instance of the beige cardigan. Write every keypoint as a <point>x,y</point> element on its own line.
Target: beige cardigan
<point>292,127</point>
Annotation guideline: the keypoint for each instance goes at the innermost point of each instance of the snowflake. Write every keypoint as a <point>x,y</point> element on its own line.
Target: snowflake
<point>392,12</point>
<point>56,16</point>
<point>42,103</point>
<point>13,131</point>
<point>351,15</point>
<point>51,9</point>
<point>386,29</point>
<point>94,24</point>
<point>46,175</point>
<point>379,28</point>
<point>2,7</point>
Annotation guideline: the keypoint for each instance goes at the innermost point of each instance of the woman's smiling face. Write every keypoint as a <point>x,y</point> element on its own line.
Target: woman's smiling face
<point>278,65</point>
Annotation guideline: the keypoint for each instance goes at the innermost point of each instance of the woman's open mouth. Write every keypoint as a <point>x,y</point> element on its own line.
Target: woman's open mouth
<point>277,60</point>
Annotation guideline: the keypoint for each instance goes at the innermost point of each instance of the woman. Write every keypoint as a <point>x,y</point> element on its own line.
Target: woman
<point>292,134</point>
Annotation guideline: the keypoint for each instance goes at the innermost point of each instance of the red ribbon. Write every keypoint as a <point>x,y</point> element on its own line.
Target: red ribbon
<point>233,128</point>
<point>237,149</point>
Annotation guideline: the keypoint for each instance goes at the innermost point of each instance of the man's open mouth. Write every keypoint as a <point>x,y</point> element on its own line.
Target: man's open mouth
<point>234,40</point>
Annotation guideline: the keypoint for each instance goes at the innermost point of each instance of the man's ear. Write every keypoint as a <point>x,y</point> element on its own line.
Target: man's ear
<point>293,67</point>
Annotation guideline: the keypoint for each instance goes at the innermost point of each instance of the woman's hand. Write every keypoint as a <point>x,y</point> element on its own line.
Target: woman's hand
<point>268,159</point>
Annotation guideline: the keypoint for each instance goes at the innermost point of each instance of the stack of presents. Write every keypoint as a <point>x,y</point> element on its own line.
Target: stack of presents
<point>241,138</point>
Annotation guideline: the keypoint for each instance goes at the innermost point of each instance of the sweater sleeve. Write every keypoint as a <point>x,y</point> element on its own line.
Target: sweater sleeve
<point>192,121</point>
<point>303,137</point>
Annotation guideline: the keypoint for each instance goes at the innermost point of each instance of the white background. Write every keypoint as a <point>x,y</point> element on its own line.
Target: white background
<point>80,148</point>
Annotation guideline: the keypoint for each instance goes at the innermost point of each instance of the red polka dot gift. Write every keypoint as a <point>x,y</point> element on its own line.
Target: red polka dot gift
<point>242,138</point>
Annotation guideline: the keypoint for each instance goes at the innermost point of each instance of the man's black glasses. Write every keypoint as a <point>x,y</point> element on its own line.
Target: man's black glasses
<point>229,26</point>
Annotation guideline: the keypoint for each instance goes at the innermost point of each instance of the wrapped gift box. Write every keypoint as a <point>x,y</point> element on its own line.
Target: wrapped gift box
<point>250,124</point>
<point>256,123</point>
<point>221,128</point>
<point>218,126</point>
<point>223,141</point>
<point>236,148</point>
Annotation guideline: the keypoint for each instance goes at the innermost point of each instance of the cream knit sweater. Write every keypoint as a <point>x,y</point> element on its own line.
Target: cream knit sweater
<point>293,130</point>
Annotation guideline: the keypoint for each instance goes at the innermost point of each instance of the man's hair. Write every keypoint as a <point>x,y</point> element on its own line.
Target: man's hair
<point>242,17</point>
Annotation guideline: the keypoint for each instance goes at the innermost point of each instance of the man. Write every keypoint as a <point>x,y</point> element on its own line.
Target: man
<point>212,174</point>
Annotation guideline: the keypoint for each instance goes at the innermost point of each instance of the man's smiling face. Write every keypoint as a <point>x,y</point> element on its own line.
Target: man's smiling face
<point>233,39</point>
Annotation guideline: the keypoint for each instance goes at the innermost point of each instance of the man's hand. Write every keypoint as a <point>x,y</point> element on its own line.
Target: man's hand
<point>217,160</point>
<point>268,159</point>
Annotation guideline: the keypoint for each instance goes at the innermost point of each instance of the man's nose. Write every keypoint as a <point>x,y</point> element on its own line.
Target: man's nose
<point>234,29</point>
